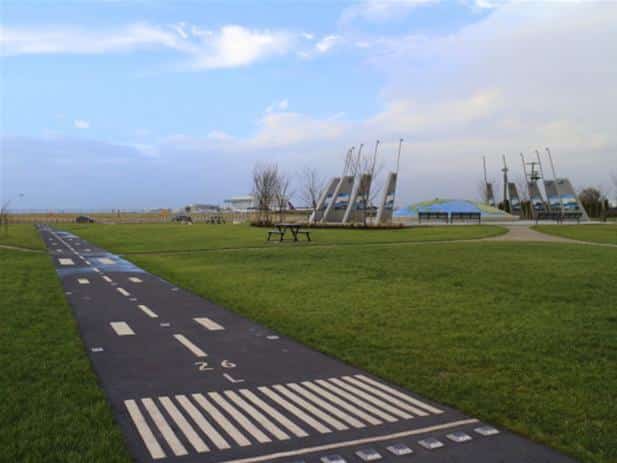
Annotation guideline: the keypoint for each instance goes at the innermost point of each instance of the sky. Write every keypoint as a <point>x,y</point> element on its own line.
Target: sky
<point>145,104</point>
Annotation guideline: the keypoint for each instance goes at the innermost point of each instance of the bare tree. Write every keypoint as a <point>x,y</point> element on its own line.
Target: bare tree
<point>614,181</point>
<point>311,185</point>
<point>282,194</point>
<point>265,187</point>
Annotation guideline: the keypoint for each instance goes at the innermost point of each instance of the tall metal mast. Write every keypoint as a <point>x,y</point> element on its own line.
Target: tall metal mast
<point>550,158</point>
<point>398,157</point>
<point>540,164</point>
<point>506,200</point>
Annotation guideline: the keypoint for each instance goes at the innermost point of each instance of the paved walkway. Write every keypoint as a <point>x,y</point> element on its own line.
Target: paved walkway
<point>190,381</point>
<point>526,233</point>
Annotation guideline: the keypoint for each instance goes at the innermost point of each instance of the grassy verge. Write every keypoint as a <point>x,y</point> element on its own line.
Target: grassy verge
<point>21,235</point>
<point>594,233</point>
<point>131,238</point>
<point>52,408</point>
<point>520,335</point>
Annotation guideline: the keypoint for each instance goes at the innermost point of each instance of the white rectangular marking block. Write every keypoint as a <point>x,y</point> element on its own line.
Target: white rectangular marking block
<point>83,281</point>
<point>145,309</point>
<point>190,346</point>
<point>66,261</point>
<point>156,452</point>
<point>107,279</point>
<point>135,280</point>
<point>106,260</point>
<point>122,328</point>
<point>123,291</point>
<point>209,324</point>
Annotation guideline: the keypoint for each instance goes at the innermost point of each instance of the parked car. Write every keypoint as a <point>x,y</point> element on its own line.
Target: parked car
<point>182,219</point>
<point>84,219</point>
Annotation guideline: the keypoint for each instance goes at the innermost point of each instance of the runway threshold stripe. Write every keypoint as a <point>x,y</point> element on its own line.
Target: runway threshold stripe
<point>283,421</point>
<point>123,291</point>
<point>341,403</point>
<point>209,324</point>
<point>360,403</point>
<point>107,279</point>
<point>369,398</point>
<point>257,416</point>
<point>122,328</point>
<point>144,430</point>
<point>223,422</point>
<point>406,397</point>
<point>341,415</point>
<point>373,390</point>
<point>313,423</point>
<point>336,424</point>
<point>202,423</point>
<point>190,346</point>
<point>145,309</point>
<point>198,444</point>
<point>350,443</point>
<point>161,423</point>
<point>240,418</point>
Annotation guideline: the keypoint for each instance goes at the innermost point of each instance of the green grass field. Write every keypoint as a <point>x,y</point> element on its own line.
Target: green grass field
<point>21,235</point>
<point>52,409</point>
<point>596,233</point>
<point>519,334</point>
<point>131,238</point>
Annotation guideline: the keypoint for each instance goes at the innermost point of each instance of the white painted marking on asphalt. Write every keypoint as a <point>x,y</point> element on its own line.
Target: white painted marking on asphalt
<point>355,400</point>
<point>290,425</point>
<point>122,328</point>
<point>336,424</point>
<point>133,299</point>
<point>190,346</point>
<point>135,280</point>
<point>341,403</point>
<point>370,398</point>
<point>66,261</point>
<point>68,293</point>
<point>350,443</point>
<point>144,430</point>
<point>223,422</point>
<point>107,279</point>
<point>198,444</point>
<point>87,249</point>
<point>87,262</point>
<point>97,349</point>
<point>393,391</point>
<point>240,418</point>
<point>145,309</point>
<point>165,324</point>
<point>106,260</point>
<point>163,426</point>
<point>208,324</point>
<point>83,281</point>
<point>257,416</point>
<point>341,415</point>
<point>96,270</point>
<point>123,291</point>
<point>202,423</point>
<point>316,425</point>
<point>59,250</point>
<point>174,289</point>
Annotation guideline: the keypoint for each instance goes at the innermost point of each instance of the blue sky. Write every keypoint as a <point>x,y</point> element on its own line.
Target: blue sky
<point>104,102</point>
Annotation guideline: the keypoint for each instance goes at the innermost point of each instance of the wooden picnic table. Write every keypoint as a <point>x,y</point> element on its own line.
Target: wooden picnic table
<point>294,228</point>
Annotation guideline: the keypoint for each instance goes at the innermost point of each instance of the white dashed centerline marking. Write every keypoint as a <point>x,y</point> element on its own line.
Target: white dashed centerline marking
<point>145,309</point>
<point>209,324</point>
<point>190,346</point>
<point>122,328</point>
<point>66,261</point>
<point>83,281</point>
<point>135,280</point>
<point>107,279</point>
<point>123,291</point>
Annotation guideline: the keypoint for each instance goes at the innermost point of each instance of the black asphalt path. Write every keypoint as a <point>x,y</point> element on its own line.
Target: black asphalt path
<point>190,381</point>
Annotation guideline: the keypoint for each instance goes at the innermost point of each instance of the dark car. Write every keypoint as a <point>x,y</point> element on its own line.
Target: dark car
<point>84,219</point>
<point>182,219</point>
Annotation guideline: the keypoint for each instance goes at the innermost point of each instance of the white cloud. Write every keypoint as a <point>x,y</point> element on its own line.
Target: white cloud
<point>81,124</point>
<point>229,46</point>
<point>327,43</point>
<point>381,10</point>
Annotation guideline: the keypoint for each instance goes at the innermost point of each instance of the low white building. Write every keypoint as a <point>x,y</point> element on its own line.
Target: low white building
<point>240,203</point>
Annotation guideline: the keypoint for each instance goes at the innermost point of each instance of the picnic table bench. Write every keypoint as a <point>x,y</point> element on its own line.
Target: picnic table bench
<point>433,216</point>
<point>294,228</point>
<point>465,216</point>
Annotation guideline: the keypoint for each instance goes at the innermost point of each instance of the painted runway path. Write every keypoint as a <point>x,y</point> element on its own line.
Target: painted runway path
<point>189,381</point>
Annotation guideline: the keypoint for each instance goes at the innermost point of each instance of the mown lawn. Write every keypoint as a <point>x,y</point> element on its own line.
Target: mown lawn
<point>519,334</point>
<point>51,408</point>
<point>21,235</point>
<point>606,233</point>
<point>134,238</point>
